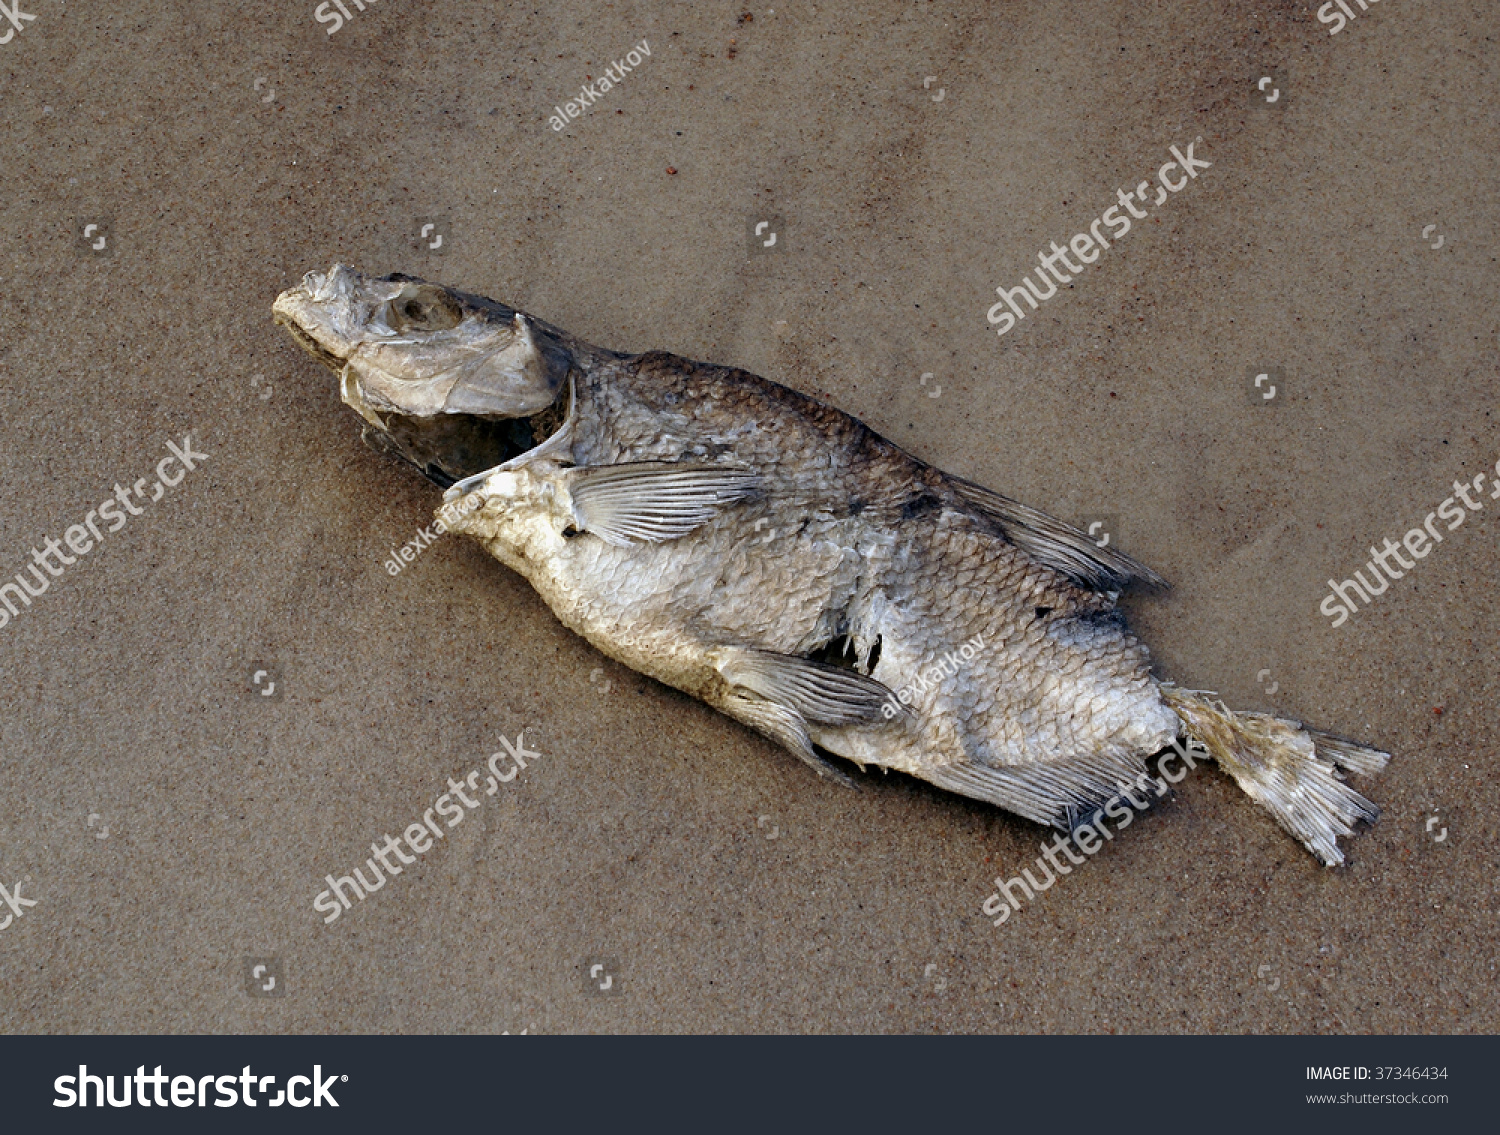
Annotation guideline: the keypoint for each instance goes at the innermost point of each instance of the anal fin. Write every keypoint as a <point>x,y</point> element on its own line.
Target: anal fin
<point>1061,793</point>
<point>786,727</point>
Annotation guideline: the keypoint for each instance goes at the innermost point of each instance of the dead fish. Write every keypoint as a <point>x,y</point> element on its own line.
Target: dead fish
<point>782,562</point>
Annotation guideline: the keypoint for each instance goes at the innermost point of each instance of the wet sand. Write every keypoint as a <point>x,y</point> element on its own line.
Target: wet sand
<point>174,822</point>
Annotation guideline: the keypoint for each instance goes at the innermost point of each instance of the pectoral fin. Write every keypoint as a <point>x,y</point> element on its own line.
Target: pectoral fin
<point>654,501</point>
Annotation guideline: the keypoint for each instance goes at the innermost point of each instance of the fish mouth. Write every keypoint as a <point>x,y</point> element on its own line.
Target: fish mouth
<point>309,344</point>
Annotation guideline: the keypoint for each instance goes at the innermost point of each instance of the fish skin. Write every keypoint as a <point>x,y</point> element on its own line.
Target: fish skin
<point>718,531</point>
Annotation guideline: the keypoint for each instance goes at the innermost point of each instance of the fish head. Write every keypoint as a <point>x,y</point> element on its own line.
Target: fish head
<point>404,346</point>
<point>452,383</point>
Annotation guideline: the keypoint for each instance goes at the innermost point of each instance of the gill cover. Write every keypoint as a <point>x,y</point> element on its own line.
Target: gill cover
<point>430,350</point>
<point>516,380</point>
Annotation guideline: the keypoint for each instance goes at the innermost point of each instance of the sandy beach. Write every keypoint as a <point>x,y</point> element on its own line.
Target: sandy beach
<point>228,697</point>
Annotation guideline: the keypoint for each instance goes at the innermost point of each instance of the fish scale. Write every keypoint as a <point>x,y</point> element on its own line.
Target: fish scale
<point>781,561</point>
<point>945,569</point>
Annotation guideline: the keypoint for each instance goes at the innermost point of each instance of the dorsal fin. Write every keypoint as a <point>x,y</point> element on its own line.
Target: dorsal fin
<point>1054,544</point>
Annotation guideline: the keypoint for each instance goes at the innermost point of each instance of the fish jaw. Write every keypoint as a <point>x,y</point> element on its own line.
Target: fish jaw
<point>327,313</point>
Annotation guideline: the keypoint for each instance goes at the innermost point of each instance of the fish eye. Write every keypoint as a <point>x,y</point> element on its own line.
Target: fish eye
<point>423,308</point>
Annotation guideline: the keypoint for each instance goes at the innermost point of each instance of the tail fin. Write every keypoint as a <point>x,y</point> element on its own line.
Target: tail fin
<point>1290,771</point>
